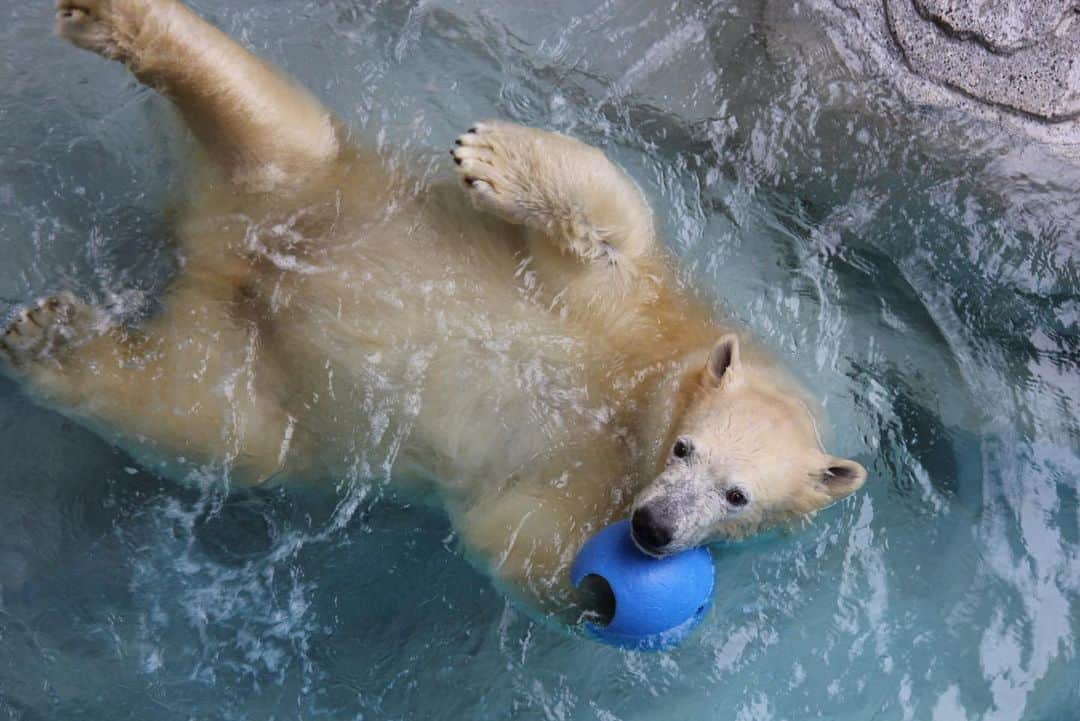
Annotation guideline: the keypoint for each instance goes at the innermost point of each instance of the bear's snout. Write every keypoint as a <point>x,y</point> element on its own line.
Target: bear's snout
<point>651,531</point>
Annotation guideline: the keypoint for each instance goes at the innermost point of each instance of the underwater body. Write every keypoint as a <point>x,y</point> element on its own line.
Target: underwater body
<point>914,265</point>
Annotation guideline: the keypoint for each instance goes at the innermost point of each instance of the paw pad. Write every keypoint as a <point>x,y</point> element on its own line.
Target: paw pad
<point>39,331</point>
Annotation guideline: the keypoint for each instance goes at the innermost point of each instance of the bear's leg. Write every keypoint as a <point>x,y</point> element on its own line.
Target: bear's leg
<point>518,540</point>
<point>590,218</point>
<point>264,131</point>
<point>527,537</point>
<point>189,385</point>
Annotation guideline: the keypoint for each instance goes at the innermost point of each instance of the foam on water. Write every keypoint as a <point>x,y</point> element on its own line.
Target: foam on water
<point>918,268</point>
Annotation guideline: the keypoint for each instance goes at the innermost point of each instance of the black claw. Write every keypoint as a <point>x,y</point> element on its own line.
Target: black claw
<point>457,160</point>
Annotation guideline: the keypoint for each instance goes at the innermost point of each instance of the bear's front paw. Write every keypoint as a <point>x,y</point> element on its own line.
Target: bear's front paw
<point>502,167</point>
<point>106,27</point>
<point>45,329</point>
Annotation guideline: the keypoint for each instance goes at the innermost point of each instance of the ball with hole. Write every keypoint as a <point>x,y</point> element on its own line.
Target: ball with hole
<point>648,603</point>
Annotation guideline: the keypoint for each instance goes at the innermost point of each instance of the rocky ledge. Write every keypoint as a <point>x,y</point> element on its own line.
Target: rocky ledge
<point>1019,54</point>
<point>1015,58</point>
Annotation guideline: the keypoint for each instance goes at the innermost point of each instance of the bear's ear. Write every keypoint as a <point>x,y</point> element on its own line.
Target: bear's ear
<point>842,477</point>
<point>723,360</point>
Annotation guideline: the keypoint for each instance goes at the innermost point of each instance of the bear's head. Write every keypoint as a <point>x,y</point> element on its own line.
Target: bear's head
<point>744,455</point>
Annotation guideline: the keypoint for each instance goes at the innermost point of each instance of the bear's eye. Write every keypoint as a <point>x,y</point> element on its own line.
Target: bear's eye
<point>736,497</point>
<point>682,448</point>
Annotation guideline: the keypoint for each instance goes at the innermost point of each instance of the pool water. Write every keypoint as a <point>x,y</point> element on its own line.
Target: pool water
<point>917,266</point>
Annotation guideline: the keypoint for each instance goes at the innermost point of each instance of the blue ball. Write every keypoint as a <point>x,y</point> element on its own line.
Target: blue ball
<point>658,601</point>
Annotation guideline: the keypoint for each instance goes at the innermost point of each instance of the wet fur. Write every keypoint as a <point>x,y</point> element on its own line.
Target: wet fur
<point>316,284</point>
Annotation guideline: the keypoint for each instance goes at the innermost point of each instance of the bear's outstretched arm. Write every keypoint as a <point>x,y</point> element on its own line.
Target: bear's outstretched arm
<point>263,130</point>
<point>591,239</point>
<point>189,385</point>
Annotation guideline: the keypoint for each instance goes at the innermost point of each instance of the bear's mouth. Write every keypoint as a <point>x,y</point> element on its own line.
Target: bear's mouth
<point>651,553</point>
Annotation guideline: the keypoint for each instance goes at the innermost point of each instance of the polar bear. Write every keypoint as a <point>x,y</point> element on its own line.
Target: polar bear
<point>547,373</point>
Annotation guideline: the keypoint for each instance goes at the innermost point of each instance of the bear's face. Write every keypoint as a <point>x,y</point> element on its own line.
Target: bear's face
<point>744,457</point>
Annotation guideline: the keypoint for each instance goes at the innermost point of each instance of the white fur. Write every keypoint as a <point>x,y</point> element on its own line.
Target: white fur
<point>516,340</point>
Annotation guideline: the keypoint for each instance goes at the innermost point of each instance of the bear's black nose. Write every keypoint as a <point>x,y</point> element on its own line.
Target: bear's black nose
<point>650,532</point>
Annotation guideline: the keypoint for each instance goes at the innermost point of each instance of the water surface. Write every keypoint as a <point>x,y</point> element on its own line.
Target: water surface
<point>919,268</point>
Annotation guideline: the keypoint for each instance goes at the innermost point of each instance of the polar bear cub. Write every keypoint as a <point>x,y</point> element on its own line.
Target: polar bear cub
<point>514,341</point>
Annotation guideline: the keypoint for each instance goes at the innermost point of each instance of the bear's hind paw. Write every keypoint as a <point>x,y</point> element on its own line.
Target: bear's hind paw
<point>44,329</point>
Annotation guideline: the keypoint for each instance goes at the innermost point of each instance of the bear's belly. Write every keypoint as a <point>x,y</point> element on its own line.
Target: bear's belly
<point>417,339</point>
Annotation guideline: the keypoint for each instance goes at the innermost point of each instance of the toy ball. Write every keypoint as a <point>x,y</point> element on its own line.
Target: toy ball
<point>657,601</point>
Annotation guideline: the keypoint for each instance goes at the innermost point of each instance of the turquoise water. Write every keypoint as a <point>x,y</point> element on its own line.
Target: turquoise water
<point>918,267</point>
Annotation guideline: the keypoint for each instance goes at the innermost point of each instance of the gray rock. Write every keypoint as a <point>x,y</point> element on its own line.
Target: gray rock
<point>1003,26</point>
<point>1019,54</point>
<point>1011,61</point>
